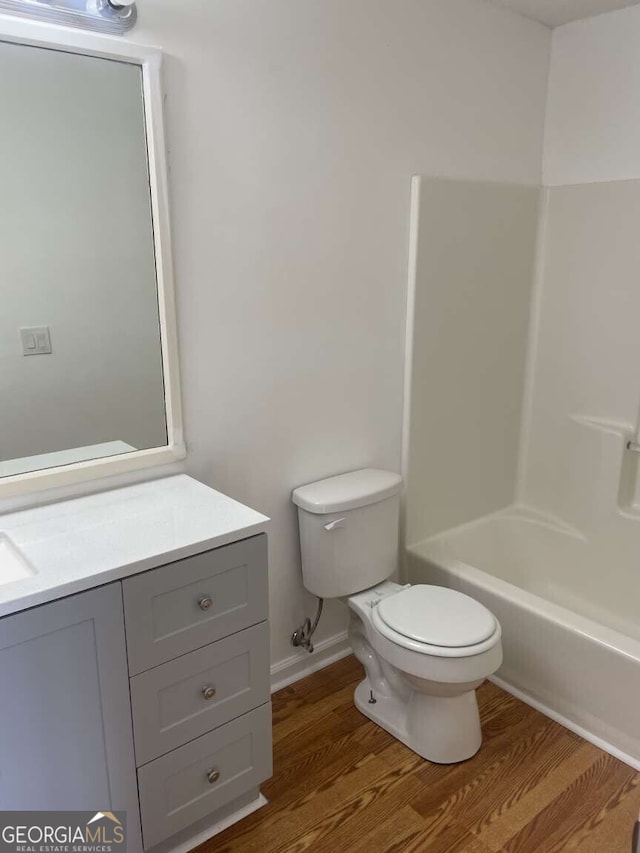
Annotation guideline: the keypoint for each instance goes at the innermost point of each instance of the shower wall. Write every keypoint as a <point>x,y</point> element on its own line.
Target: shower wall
<point>586,384</point>
<point>533,400</point>
<point>585,392</point>
<point>474,247</point>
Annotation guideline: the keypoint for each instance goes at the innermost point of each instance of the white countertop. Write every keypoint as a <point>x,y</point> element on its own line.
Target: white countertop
<point>84,542</point>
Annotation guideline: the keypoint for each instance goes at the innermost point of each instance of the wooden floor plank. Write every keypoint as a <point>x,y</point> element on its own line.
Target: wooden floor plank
<point>329,756</point>
<point>307,785</point>
<point>495,834</point>
<point>390,834</point>
<point>610,831</point>
<point>319,805</point>
<point>513,783</point>
<point>301,715</point>
<point>371,805</point>
<point>341,784</point>
<point>552,828</point>
<point>304,742</point>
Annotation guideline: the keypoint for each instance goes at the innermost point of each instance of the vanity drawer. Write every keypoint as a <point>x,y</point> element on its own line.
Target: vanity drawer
<point>185,605</point>
<point>187,697</point>
<point>198,779</point>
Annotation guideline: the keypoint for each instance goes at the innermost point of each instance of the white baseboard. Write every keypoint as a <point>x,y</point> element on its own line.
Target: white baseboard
<point>301,664</point>
<point>566,722</point>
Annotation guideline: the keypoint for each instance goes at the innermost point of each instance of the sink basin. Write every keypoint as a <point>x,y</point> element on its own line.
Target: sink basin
<point>13,566</point>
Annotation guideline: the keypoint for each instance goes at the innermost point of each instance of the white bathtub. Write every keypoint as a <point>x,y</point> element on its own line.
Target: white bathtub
<point>571,626</point>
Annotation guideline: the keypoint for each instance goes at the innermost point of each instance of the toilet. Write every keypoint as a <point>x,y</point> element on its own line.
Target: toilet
<point>425,649</point>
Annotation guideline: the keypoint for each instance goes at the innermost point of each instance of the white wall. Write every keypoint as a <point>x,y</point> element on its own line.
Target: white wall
<point>76,254</point>
<point>476,248</point>
<point>593,116</point>
<point>294,127</point>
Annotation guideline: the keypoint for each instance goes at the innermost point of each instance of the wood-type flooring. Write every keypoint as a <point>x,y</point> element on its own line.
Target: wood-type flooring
<point>343,785</point>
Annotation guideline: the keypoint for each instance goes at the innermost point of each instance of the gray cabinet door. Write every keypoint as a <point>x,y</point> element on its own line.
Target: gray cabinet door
<point>65,720</point>
<point>187,697</point>
<point>188,604</point>
<point>206,774</point>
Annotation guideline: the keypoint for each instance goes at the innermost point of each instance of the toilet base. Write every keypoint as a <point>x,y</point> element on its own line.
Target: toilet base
<point>442,729</point>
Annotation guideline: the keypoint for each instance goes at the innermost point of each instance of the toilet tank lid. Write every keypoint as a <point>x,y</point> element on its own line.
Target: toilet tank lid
<point>347,491</point>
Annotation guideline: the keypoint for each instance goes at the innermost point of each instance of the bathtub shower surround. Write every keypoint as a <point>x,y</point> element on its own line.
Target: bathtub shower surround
<point>586,387</point>
<point>475,253</point>
<point>525,494</point>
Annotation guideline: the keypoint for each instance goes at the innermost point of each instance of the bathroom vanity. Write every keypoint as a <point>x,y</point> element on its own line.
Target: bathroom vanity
<point>134,659</point>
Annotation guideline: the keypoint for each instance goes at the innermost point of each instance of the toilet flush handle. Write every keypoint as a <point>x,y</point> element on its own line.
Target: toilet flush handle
<point>333,524</point>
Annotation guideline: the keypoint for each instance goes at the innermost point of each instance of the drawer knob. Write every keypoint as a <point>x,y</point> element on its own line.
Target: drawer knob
<point>213,776</point>
<point>205,602</point>
<point>208,692</point>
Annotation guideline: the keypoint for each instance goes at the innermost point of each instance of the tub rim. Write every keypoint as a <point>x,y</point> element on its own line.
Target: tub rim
<point>557,614</point>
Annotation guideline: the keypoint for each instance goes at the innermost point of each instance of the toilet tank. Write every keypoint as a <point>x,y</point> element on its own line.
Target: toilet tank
<point>348,531</point>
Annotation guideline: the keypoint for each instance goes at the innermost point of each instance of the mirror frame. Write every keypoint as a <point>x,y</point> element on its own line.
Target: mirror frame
<point>149,59</point>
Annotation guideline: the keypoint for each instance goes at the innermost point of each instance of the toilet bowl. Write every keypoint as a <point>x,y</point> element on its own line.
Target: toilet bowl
<point>425,649</point>
<point>423,693</point>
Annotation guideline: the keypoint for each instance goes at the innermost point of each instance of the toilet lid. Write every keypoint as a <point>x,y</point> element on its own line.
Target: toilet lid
<point>437,616</point>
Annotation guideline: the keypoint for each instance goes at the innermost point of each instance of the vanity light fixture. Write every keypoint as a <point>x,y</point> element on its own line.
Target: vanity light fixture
<point>106,16</point>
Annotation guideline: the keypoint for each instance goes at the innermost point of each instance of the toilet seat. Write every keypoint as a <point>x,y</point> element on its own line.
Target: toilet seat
<point>436,621</point>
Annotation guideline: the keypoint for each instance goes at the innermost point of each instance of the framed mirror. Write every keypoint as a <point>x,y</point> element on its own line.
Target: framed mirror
<point>89,382</point>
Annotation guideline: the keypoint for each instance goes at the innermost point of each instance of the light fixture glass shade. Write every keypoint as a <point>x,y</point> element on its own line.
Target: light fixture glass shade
<point>107,16</point>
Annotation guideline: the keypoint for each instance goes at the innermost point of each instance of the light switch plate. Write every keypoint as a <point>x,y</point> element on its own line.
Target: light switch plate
<point>36,340</point>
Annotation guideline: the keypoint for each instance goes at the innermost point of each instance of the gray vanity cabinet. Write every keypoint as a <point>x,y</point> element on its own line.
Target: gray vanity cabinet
<point>66,737</point>
<point>149,695</point>
<point>198,646</point>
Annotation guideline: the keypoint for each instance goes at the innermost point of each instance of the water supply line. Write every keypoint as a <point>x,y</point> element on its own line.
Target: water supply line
<point>301,637</point>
